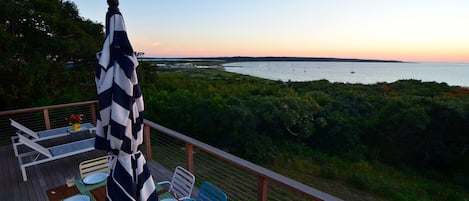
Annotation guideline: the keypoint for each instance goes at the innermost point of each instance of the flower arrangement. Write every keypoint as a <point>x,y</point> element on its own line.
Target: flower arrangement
<point>74,118</point>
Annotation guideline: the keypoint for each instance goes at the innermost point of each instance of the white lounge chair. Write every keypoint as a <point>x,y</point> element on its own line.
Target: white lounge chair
<point>42,154</point>
<point>43,135</point>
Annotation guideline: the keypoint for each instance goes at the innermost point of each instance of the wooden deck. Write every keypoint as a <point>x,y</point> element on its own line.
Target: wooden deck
<point>48,175</point>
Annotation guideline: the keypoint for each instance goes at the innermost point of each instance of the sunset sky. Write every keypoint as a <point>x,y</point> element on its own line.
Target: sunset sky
<point>416,30</point>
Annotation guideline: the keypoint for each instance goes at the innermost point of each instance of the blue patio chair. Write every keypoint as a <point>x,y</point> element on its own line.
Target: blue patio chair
<point>209,192</point>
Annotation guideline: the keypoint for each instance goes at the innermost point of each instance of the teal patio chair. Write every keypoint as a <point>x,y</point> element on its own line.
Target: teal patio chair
<point>209,192</point>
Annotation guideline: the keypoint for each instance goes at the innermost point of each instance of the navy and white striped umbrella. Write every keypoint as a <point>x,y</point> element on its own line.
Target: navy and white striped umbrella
<point>119,128</point>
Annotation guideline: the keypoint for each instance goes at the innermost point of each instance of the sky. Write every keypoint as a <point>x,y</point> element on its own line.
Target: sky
<point>405,30</point>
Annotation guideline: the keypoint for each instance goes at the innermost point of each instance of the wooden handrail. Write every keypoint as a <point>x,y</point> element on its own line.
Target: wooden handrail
<point>35,109</point>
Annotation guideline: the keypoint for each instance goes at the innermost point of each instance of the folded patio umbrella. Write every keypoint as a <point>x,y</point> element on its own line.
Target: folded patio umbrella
<point>119,128</point>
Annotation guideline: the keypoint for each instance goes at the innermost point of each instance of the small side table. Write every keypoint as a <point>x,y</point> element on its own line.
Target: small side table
<point>83,127</point>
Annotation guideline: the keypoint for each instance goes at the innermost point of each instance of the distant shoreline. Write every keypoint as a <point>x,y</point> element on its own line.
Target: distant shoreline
<point>251,59</point>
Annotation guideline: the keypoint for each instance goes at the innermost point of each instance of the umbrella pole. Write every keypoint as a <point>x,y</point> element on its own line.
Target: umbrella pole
<point>112,9</point>
<point>113,3</point>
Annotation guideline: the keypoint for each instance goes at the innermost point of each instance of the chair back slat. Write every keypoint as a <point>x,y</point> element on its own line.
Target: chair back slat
<point>182,182</point>
<point>95,165</point>
<point>33,145</point>
<point>24,129</point>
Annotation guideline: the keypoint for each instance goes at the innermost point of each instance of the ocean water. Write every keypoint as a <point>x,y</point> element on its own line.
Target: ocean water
<point>454,74</point>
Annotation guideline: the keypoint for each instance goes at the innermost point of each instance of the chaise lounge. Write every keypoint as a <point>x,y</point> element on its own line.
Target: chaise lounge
<point>43,135</point>
<point>42,154</point>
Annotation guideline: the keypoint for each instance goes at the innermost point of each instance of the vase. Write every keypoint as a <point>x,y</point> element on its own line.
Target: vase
<point>76,126</point>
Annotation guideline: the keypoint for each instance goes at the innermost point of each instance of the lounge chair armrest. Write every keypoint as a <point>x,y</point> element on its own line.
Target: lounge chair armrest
<point>24,129</point>
<point>164,182</point>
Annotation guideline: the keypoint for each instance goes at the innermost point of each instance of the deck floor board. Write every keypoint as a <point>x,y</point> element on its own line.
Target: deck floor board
<point>47,175</point>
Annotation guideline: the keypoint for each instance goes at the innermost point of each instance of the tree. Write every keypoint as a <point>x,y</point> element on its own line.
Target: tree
<point>38,38</point>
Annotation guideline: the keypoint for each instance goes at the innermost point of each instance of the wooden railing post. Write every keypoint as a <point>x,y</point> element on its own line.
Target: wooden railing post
<point>45,112</point>
<point>93,113</point>
<point>147,141</point>
<point>262,188</point>
<point>190,157</point>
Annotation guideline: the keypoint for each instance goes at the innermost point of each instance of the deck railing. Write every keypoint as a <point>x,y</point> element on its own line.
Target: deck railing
<point>42,118</point>
<point>240,179</point>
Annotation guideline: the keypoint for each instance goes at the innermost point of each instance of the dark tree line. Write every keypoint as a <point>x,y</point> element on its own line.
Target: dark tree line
<point>45,45</point>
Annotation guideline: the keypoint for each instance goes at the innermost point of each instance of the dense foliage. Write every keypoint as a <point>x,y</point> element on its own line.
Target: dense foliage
<point>45,45</point>
<point>407,123</point>
<point>410,122</point>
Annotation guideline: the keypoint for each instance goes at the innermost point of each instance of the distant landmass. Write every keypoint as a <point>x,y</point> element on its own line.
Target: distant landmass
<point>244,59</point>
